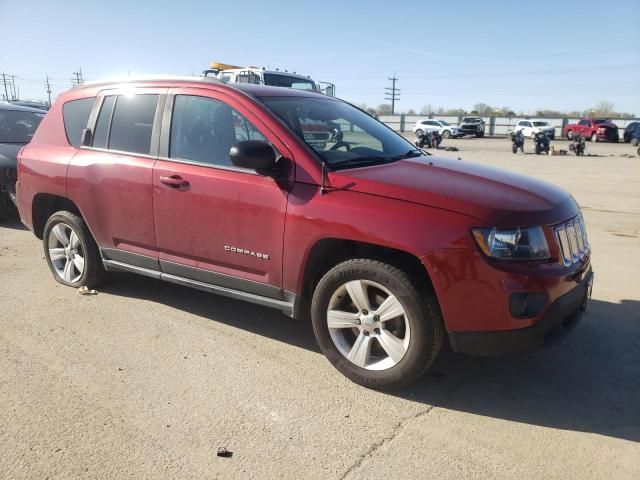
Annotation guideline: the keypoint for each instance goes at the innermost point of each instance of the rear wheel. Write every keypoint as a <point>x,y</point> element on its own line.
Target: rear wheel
<point>570,135</point>
<point>634,142</point>
<point>375,325</point>
<point>594,137</point>
<point>71,252</point>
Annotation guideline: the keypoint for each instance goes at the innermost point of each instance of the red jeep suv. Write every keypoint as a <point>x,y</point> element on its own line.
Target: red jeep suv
<point>389,251</point>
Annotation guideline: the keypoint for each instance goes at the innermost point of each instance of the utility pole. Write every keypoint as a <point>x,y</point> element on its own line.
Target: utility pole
<point>4,82</point>
<point>48,89</point>
<point>392,94</point>
<point>78,80</point>
<point>12,85</point>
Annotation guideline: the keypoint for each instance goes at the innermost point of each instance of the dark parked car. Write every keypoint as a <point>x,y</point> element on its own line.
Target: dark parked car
<point>632,133</point>
<point>24,103</point>
<point>472,126</point>
<point>218,187</point>
<point>17,125</point>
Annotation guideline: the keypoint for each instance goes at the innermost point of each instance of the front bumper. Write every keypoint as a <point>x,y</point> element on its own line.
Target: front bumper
<point>559,318</point>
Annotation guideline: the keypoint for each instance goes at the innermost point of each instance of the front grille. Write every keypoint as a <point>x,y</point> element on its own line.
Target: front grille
<point>572,239</point>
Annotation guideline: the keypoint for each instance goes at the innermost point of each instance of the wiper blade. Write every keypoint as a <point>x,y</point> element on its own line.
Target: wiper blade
<point>410,154</point>
<point>377,159</point>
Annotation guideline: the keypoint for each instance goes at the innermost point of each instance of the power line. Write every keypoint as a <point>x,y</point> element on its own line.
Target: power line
<point>392,93</point>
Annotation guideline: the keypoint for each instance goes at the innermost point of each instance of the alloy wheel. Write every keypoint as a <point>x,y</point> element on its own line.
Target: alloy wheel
<point>66,253</point>
<point>368,325</point>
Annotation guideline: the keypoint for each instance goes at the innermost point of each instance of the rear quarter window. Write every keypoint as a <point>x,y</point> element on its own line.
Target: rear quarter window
<point>75,115</point>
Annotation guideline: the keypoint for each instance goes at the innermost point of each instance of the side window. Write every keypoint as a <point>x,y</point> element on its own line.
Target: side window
<point>583,122</point>
<point>204,130</point>
<point>101,134</point>
<point>245,130</point>
<point>521,124</point>
<point>132,123</point>
<point>75,114</point>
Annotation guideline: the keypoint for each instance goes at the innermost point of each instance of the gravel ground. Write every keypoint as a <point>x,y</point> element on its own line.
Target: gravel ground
<point>147,379</point>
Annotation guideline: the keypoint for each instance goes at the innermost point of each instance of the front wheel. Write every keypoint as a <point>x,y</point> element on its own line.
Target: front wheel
<point>446,134</point>
<point>634,142</point>
<point>514,148</point>
<point>419,133</point>
<point>376,325</point>
<point>570,135</point>
<point>71,252</point>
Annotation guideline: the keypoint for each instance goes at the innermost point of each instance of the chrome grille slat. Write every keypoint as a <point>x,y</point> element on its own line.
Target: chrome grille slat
<point>572,239</point>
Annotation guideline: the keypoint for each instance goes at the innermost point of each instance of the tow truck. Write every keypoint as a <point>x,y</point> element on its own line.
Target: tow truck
<point>261,76</point>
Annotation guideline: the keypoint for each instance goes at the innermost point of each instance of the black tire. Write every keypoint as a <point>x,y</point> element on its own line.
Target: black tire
<point>570,134</point>
<point>5,207</point>
<point>634,141</point>
<point>514,149</point>
<point>594,137</point>
<point>419,133</point>
<point>446,134</point>
<point>422,314</point>
<point>94,273</point>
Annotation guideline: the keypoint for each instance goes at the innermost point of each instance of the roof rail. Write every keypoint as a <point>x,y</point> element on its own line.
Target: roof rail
<point>149,78</point>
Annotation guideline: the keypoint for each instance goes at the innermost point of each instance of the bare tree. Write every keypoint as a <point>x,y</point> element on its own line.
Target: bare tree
<point>426,110</point>
<point>383,109</point>
<point>604,108</point>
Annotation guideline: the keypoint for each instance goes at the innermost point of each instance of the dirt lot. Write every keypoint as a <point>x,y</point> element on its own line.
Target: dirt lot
<point>147,379</point>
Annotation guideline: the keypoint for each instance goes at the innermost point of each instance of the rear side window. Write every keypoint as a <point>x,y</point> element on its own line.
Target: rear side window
<point>132,123</point>
<point>75,115</point>
<point>101,135</point>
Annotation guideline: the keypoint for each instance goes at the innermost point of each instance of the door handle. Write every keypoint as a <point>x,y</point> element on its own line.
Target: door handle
<point>174,181</point>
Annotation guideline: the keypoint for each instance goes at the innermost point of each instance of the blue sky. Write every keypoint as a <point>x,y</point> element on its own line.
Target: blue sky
<point>559,55</point>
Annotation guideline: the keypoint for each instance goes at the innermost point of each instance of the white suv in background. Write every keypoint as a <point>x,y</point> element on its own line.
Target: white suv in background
<point>530,127</point>
<point>440,126</point>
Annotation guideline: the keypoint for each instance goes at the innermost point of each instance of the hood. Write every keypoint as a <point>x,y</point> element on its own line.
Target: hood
<point>496,197</point>
<point>8,154</point>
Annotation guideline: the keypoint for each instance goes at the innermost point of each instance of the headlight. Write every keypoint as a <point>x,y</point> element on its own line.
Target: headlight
<point>513,243</point>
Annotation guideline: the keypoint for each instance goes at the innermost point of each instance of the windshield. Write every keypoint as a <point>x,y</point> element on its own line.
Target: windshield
<point>277,80</point>
<point>17,126</point>
<point>339,133</point>
<point>540,124</point>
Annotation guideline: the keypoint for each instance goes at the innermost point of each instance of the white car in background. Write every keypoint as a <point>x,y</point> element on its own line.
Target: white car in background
<point>530,127</point>
<point>440,126</point>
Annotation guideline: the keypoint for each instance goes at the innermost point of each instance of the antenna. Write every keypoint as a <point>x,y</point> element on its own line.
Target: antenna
<point>323,188</point>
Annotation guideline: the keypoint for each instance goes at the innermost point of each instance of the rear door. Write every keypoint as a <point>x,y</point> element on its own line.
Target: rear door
<point>111,180</point>
<point>216,223</point>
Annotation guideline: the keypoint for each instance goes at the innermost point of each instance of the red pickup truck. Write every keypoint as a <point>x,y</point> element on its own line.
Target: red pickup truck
<point>389,251</point>
<point>595,129</point>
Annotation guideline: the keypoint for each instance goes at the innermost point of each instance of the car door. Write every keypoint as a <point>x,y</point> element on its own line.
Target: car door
<point>584,128</point>
<point>110,179</point>
<point>216,223</point>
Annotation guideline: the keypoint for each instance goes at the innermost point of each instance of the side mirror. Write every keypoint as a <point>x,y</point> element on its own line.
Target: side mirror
<point>254,154</point>
<point>86,137</point>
